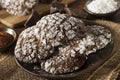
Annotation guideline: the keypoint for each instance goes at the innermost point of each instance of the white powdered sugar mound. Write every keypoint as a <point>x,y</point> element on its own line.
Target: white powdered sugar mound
<point>102,6</point>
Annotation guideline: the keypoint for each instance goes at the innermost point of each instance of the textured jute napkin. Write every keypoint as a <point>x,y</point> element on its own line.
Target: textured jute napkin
<point>109,70</point>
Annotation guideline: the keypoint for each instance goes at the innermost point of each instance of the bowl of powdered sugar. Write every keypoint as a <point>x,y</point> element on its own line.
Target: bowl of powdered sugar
<point>102,8</point>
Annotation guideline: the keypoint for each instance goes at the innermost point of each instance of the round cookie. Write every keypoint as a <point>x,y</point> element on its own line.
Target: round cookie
<point>57,29</point>
<point>29,49</point>
<point>61,64</point>
<point>18,7</point>
<point>102,35</point>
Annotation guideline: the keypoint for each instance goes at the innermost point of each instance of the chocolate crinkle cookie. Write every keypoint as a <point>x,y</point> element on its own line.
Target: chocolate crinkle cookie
<point>18,7</point>
<point>29,48</point>
<point>60,43</point>
<point>62,64</point>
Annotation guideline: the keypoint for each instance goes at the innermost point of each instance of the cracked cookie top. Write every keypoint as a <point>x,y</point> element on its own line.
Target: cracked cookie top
<point>18,7</point>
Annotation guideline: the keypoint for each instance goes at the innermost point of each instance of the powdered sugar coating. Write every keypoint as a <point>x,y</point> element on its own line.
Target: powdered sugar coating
<point>57,29</point>
<point>95,38</point>
<point>18,7</point>
<point>102,35</point>
<point>61,64</point>
<point>29,48</point>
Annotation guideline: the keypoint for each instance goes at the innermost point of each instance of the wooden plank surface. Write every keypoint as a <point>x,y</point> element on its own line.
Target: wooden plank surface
<point>15,21</point>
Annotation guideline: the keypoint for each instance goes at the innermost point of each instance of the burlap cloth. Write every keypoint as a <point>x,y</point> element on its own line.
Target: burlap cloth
<point>9,70</point>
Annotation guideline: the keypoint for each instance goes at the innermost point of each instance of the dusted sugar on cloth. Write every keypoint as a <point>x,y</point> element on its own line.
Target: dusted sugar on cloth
<point>18,7</point>
<point>60,39</point>
<point>102,6</point>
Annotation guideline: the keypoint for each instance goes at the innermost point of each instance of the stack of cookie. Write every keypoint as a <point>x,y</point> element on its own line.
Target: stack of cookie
<point>60,43</point>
